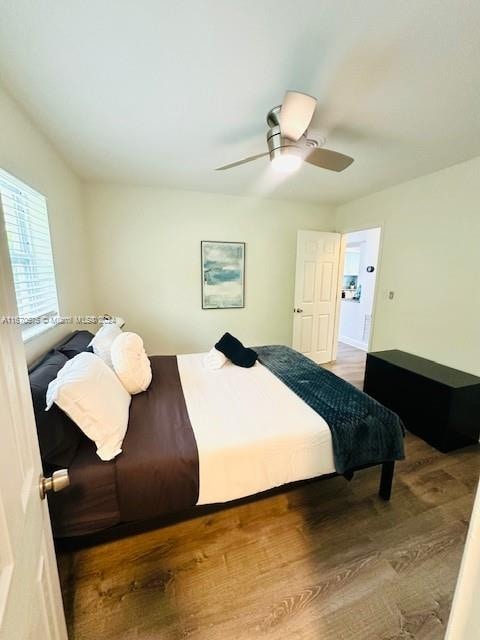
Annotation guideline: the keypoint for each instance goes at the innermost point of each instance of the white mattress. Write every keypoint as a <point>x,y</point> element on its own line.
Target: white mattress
<point>253,433</point>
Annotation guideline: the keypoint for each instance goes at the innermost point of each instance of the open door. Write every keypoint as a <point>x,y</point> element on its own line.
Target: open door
<point>464,622</point>
<point>30,599</point>
<point>316,288</point>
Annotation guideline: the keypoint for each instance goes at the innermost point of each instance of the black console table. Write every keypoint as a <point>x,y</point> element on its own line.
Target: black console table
<point>437,403</point>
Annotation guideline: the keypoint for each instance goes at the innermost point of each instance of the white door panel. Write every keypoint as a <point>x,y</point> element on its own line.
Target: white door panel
<point>30,599</point>
<point>316,285</point>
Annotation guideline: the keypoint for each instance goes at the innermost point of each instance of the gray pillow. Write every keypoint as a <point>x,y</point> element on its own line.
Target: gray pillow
<point>76,343</point>
<point>58,436</point>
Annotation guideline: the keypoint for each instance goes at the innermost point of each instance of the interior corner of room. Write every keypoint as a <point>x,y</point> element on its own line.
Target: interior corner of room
<point>424,256</point>
<point>425,252</point>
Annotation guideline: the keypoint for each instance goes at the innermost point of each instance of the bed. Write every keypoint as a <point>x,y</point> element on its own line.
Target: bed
<point>198,438</point>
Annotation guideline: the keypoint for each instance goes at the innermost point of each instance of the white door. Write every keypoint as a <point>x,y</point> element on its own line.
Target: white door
<point>30,598</point>
<point>316,288</point>
<point>464,622</point>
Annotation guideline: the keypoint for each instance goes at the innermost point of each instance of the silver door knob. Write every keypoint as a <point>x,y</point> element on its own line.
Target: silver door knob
<point>56,482</point>
<point>298,310</point>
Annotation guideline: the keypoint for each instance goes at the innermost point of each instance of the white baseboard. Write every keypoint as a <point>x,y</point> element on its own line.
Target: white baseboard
<point>353,343</point>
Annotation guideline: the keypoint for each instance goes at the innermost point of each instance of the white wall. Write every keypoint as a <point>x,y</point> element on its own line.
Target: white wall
<point>145,253</point>
<point>430,259</point>
<point>142,249</point>
<point>27,155</point>
<point>352,313</point>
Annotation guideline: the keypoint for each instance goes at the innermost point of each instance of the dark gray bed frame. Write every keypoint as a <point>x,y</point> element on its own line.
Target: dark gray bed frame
<point>123,530</point>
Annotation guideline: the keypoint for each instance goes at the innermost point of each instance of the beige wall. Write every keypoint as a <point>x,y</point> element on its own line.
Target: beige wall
<point>27,155</point>
<point>141,249</point>
<point>145,252</point>
<point>431,260</point>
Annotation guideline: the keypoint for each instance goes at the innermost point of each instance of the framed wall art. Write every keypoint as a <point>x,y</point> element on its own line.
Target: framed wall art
<point>223,275</point>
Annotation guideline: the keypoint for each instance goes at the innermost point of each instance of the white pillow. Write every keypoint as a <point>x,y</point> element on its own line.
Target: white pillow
<point>102,342</point>
<point>130,362</point>
<point>214,359</point>
<point>88,391</point>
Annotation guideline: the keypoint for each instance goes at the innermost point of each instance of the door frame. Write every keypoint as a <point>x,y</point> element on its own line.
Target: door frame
<point>343,245</point>
<point>48,614</point>
<point>464,615</point>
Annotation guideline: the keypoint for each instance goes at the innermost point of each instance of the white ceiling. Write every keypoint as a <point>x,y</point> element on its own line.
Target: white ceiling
<point>157,92</point>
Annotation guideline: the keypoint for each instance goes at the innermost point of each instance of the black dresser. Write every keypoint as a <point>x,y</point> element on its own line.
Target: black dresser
<point>437,403</point>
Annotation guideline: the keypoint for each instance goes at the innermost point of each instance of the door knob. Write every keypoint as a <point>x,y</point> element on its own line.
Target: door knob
<point>56,482</point>
<point>298,310</point>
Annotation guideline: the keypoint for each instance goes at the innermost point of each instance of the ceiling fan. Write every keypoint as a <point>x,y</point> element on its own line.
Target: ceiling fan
<point>288,141</point>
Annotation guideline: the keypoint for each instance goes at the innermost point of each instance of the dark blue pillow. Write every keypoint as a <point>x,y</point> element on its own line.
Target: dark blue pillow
<point>234,350</point>
<point>76,343</point>
<point>58,436</point>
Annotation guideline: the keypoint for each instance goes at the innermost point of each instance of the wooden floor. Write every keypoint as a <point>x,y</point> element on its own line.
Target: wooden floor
<point>350,364</point>
<point>327,561</point>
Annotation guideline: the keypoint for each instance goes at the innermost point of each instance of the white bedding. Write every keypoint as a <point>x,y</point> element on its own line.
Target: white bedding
<point>253,433</point>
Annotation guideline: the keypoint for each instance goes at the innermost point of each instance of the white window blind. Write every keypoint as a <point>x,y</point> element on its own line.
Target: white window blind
<point>28,234</point>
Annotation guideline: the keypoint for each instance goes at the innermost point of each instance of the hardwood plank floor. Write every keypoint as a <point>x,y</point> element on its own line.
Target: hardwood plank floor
<point>326,560</point>
<point>350,364</point>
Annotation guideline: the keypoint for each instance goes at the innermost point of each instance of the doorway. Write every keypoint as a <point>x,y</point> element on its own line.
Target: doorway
<point>358,280</point>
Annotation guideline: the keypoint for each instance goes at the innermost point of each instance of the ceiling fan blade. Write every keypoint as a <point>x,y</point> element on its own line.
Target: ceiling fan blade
<point>296,114</point>
<point>327,159</point>
<point>245,160</point>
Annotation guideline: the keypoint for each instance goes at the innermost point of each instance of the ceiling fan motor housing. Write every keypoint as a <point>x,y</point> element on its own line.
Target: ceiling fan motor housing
<point>278,145</point>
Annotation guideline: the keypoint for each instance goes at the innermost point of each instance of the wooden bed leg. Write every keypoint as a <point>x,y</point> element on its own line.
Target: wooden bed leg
<point>386,480</point>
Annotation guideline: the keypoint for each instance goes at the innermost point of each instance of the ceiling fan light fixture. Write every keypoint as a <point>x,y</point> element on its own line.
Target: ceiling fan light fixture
<point>288,142</point>
<point>286,159</point>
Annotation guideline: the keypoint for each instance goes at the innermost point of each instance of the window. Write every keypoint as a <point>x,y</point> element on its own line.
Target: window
<point>28,235</point>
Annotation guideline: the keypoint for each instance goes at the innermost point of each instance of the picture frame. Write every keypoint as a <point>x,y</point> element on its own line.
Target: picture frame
<point>223,274</point>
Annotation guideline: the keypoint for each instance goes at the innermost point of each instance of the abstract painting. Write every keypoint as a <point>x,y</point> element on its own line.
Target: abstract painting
<point>223,275</point>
